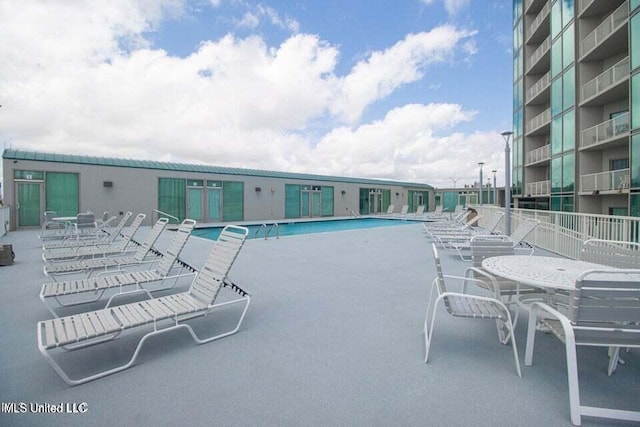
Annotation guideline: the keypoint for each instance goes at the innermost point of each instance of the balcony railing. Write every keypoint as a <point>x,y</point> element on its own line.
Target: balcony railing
<point>539,120</point>
<point>539,52</point>
<point>606,28</point>
<point>539,86</point>
<point>541,17</point>
<point>539,154</point>
<point>604,131</point>
<point>584,5</point>
<point>540,188</point>
<point>607,79</point>
<point>605,181</point>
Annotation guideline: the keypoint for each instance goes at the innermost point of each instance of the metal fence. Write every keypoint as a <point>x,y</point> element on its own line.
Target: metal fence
<point>564,232</point>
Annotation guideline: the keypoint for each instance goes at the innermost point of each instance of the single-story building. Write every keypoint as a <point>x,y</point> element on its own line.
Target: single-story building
<point>35,182</point>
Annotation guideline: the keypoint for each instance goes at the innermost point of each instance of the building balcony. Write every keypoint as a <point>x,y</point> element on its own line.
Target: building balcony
<point>540,59</point>
<point>593,8</point>
<point>607,134</point>
<point>539,124</point>
<point>539,93</point>
<point>609,38</point>
<point>611,85</point>
<point>539,155</point>
<point>605,182</point>
<point>540,188</point>
<point>539,28</point>
<point>533,6</point>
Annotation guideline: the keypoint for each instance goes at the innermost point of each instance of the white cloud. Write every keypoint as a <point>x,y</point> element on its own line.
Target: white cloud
<point>453,7</point>
<point>252,19</point>
<point>81,78</point>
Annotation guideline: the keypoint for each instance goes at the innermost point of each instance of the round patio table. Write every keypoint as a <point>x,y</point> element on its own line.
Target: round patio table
<point>550,273</point>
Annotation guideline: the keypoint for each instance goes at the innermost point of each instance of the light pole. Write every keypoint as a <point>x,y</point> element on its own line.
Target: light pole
<point>507,182</point>
<point>495,191</point>
<point>480,189</point>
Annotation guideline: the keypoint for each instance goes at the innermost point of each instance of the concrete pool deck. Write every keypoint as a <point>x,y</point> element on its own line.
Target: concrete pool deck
<point>333,337</point>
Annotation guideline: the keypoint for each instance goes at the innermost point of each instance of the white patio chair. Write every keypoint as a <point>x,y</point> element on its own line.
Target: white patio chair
<point>107,263</point>
<point>163,314</point>
<point>604,310</point>
<point>463,305</point>
<point>67,293</point>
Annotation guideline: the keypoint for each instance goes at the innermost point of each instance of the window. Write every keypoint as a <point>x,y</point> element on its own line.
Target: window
<point>556,175</point>
<point>556,135</point>
<point>617,164</point>
<point>635,161</point>
<point>568,176</point>
<point>618,211</point>
<point>327,201</point>
<point>556,57</point>
<point>568,131</point>
<point>556,19</point>
<point>635,44</point>
<point>172,197</point>
<point>62,193</point>
<point>233,201</point>
<point>556,97</point>
<point>567,47</point>
<point>567,12</point>
<point>28,175</point>
<point>568,89</point>
<point>635,101</point>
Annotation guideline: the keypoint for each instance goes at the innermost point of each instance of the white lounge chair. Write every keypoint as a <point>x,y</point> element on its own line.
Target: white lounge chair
<point>67,293</point>
<point>463,305</point>
<point>99,248</point>
<point>106,263</point>
<point>163,314</point>
<point>109,236</point>
<point>517,239</point>
<point>604,310</point>
<point>446,239</point>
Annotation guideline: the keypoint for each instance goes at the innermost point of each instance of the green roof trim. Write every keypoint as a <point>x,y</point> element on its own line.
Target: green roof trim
<point>185,167</point>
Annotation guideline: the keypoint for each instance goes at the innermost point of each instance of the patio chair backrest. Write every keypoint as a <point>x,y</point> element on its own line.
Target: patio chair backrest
<point>150,239</point>
<point>442,287</point>
<point>49,215</point>
<point>170,255</point>
<point>211,277</point>
<point>611,297</point>
<point>489,246</point>
<point>86,221</point>
<point>523,230</point>
<point>611,253</point>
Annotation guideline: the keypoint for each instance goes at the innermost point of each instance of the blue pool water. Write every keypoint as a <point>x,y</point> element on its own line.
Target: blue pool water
<point>305,227</point>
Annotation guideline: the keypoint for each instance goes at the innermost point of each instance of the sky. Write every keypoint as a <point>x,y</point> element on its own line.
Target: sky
<point>409,90</point>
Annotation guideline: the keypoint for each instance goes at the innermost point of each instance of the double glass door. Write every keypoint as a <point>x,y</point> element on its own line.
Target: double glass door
<point>375,202</point>
<point>310,203</point>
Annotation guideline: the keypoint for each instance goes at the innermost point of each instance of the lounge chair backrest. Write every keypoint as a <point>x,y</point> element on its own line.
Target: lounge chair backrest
<point>150,239</point>
<point>420,210</point>
<point>390,209</point>
<point>494,222</point>
<point>608,297</point>
<point>113,234</point>
<point>489,246</point>
<point>210,278</point>
<point>86,220</point>
<point>170,255</point>
<point>404,210</point>
<point>523,230</point>
<point>611,253</point>
<point>133,228</point>
<point>437,211</point>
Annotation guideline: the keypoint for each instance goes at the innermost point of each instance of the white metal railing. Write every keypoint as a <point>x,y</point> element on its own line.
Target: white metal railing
<point>539,52</point>
<point>539,120</point>
<point>539,86</point>
<point>605,130</point>
<point>607,79</point>
<point>605,181</point>
<point>544,12</point>
<point>540,188</point>
<point>564,232</point>
<point>539,154</point>
<point>606,28</point>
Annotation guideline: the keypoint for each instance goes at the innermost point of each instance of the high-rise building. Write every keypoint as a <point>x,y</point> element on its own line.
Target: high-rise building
<point>576,105</point>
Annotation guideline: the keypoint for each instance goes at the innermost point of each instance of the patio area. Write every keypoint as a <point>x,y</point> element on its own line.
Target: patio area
<point>333,336</point>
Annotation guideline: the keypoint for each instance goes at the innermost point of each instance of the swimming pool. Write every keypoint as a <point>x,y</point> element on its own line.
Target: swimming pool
<point>305,227</point>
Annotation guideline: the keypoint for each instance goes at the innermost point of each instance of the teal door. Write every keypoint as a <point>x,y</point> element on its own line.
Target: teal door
<point>305,204</point>
<point>194,207</point>
<point>213,204</point>
<point>29,204</point>
<point>316,205</point>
